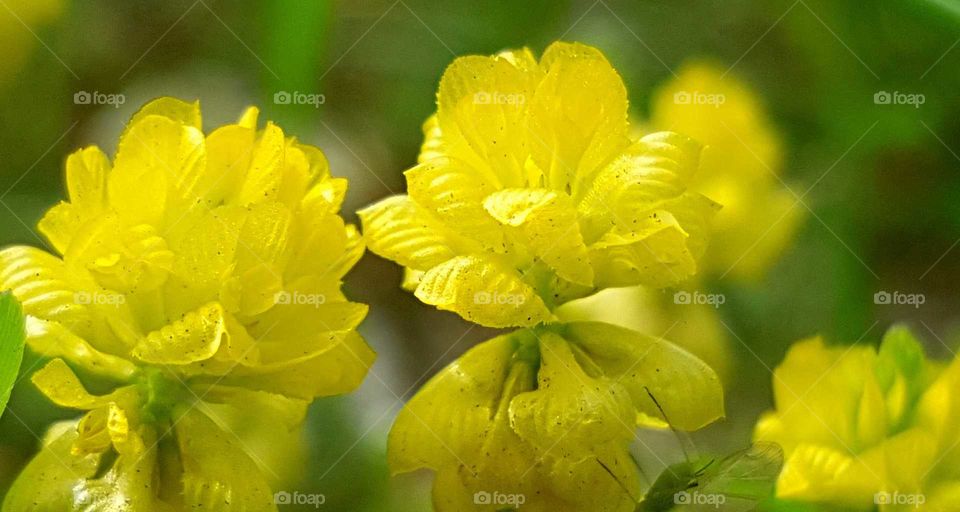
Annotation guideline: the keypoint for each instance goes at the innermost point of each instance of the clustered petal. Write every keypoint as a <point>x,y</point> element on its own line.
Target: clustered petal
<point>530,192</point>
<point>861,426</point>
<point>190,270</point>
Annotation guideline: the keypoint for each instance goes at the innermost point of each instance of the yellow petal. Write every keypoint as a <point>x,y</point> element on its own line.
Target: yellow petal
<point>687,390</point>
<point>263,178</point>
<point>87,179</point>
<point>337,365</point>
<point>446,421</point>
<point>154,153</point>
<point>195,337</point>
<point>43,285</point>
<point>454,192</point>
<point>229,152</point>
<point>570,411</point>
<point>51,339</point>
<point>248,119</point>
<point>58,382</point>
<point>399,229</point>
<point>172,108</point>
<point>432,146</point>
<point>205,248</point>
<point>59,224</point>
<point>482,291</point>
<point>59,471</point>
<point>217,469</point>
<point>481,110</point>
<point>654,169</point>
<point>817,473</point>
<point>289,411</point>
<point>654,254</point>
<point>100,429</point>
<point>578,115</point>
<point>264,237</point>
<point>545,222</point>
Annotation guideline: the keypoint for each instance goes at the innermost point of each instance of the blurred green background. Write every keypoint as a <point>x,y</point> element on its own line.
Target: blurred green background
<point>885,180</point>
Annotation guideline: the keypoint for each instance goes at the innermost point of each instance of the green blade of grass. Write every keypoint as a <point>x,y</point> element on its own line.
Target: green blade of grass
<point>11,345</point>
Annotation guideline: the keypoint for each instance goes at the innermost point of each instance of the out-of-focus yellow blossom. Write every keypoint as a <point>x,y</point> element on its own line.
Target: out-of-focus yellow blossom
<point>193,269</point>
<point>741,161</point>
<point>16,40</point>
<point>546,415</point>
<point>862,427</point>
<point>530,192</point>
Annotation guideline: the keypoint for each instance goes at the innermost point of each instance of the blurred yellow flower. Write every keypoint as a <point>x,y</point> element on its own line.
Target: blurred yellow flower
<point>741,161</point>
<point>544,417</point>
<point>862,427</point>
<point>193,269</point>
<point>19,20</point>
<point>530,192</point>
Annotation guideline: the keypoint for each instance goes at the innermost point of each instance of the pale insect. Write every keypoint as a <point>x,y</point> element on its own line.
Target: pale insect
<point>737,482</point>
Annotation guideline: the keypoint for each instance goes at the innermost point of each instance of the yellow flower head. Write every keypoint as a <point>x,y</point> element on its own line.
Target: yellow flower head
<point>741,161</point>
<point>544,417</point>
<point>530,192</point>
<point>192,268</point>
<point>861,427</point>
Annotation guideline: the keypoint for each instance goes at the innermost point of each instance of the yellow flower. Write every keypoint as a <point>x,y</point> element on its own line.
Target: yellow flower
<point>529,192</point>
<point>863,427</point>
<point>544,417</point>
<point>193,269</point>
<point>741,161</point>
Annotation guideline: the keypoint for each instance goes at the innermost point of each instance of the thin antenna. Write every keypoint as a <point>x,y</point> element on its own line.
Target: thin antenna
<point>615,479</point>
<point>683,449</point>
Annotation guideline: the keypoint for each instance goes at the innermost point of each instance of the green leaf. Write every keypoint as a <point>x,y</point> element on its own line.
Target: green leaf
<point>12,336</point>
